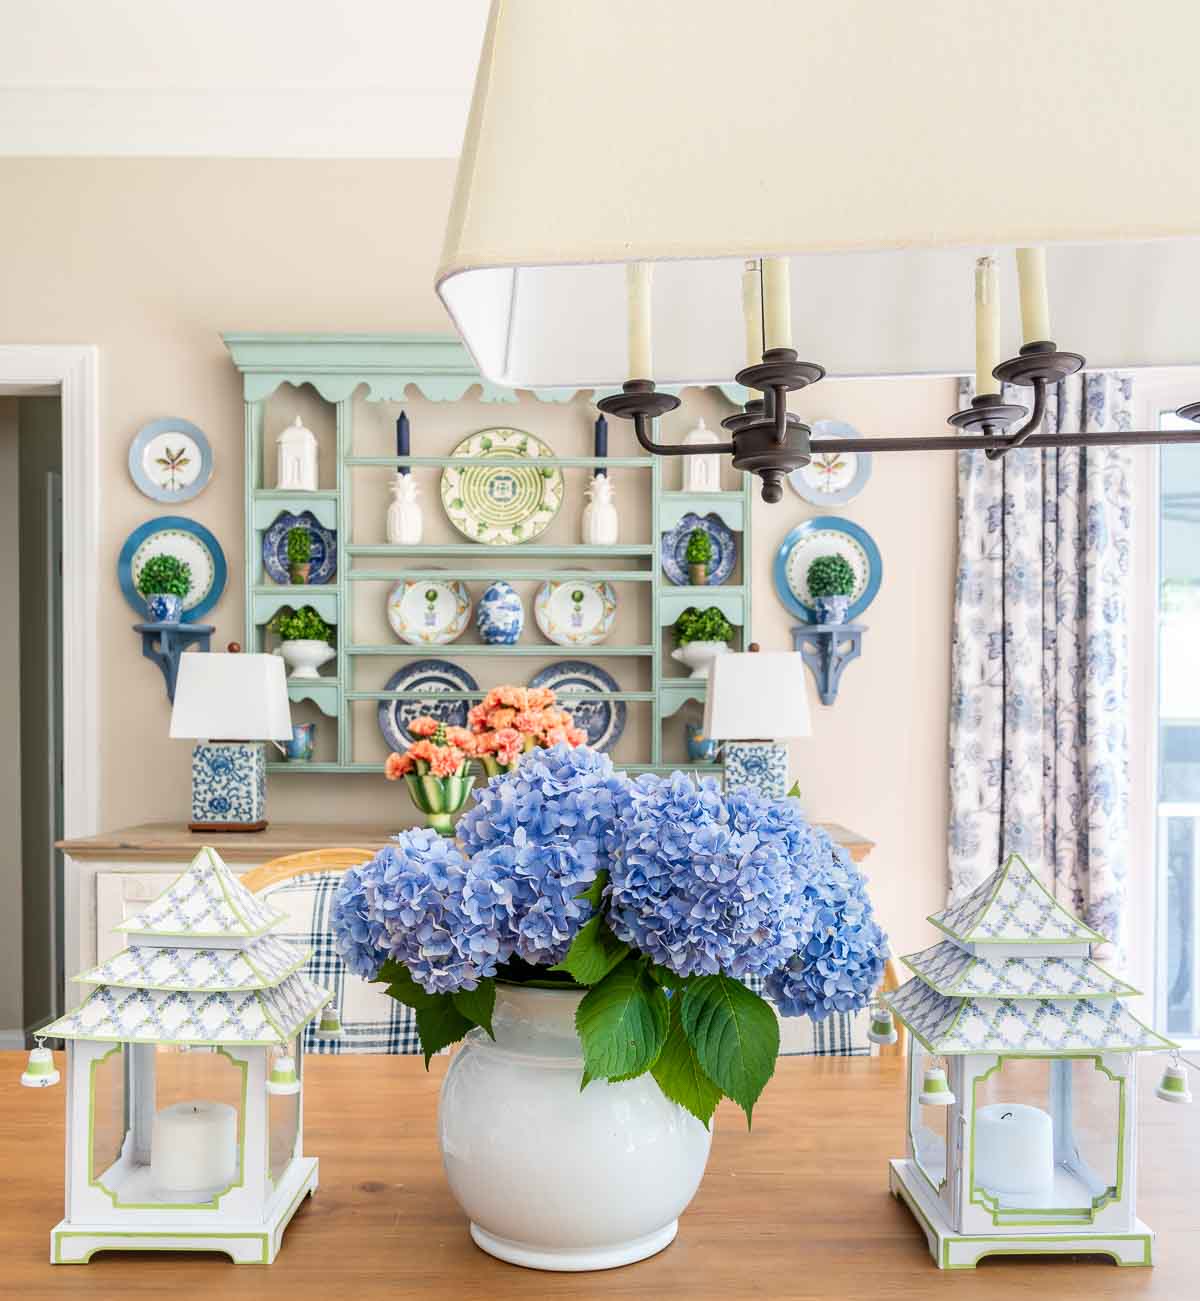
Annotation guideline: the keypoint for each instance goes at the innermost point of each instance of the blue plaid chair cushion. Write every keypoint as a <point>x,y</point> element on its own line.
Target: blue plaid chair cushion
<point>842,1035</point>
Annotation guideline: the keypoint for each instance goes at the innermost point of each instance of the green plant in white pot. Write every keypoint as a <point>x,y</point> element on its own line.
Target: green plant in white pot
<point>831,585</point>
<point>306,641</point>
<point>700,636</point>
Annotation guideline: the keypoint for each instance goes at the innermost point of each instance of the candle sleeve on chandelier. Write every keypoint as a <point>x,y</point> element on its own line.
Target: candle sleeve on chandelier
<point>987,325</point>
<point>777,302</point>
<point>641,354</point>
<point>1035,299</point>
<point>752,308</point>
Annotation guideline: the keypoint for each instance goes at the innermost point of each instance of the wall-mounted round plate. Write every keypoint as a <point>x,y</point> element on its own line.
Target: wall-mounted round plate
<point>192,543</point>
<point>602,720</point>
<point>170,460</point>
<point>577,613</point>
<point>832,478</point>
<point>504,504</point>
<point>827,535</point>
<point>428,613</point>
<point>423,675</point>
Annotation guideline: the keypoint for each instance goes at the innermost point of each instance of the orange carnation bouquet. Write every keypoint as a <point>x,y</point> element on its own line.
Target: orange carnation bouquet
<point>434,769</point>
<point>509,721</point>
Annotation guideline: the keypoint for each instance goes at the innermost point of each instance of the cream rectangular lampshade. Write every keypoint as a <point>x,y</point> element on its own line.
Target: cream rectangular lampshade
<point>880,147</point>
<point>757,696</point>
<point>223,697</point>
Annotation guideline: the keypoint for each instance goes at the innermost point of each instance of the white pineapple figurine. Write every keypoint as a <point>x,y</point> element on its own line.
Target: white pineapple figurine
<point>404,519</point>
<point>600,523</point>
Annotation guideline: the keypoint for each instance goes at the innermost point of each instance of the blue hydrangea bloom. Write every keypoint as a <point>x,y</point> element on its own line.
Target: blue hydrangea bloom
<point>359,940</point>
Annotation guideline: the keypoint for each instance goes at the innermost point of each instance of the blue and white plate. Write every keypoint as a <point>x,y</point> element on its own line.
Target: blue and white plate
<point>170,460</point>
<point>724,547</point>
<point>424,675</point>
<point>193,544</point>
<point>832,478</point>
<point>602,720</point>
<point>322,557</point>
<point>827,535</point>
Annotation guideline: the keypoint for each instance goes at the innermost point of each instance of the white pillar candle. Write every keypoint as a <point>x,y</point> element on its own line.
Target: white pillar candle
<point>194,1147</point>
<point>638,280</point>
<point>987,325</point>
<point>777,301</point>
<point>1014,1149</point>
<point>752,311</point>
<point>1035,299</point>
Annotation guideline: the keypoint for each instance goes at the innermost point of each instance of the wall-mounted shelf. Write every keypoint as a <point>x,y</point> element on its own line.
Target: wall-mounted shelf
<point>164,643</point>
<point>827,648</point>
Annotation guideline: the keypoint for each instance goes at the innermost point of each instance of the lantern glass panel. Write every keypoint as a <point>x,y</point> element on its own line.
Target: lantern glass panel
<point>929,1126</point>
<point>1047,1137</point>
<point>109,1113</point>
<point>283,1121</point>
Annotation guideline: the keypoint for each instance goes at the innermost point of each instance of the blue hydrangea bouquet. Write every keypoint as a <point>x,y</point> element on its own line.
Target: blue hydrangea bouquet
<point>663,897</point>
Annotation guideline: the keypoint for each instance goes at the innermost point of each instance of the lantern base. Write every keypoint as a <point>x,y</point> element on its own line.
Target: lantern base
<point>75,1243</point>
<point>953,1250</point>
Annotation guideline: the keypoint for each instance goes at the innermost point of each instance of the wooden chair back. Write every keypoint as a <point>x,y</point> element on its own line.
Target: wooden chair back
<point>311,860</point>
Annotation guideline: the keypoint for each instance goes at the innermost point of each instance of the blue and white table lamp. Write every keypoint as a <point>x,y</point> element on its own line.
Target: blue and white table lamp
<point>184,1081</point>
<point>755,703</point>
<point>1022,1106</point>
<point>230,704</point>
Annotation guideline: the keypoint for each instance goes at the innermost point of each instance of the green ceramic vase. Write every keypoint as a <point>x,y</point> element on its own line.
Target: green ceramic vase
<point>439,798</point>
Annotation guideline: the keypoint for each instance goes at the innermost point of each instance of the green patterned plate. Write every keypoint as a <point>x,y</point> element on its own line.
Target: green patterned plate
<point>503,504</point>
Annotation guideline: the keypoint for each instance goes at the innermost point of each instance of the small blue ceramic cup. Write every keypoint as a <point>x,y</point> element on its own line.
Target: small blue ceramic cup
<point>300,748</point>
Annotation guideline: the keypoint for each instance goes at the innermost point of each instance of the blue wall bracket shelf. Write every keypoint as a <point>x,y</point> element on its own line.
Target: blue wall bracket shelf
<point>164,643</point>
<point>827,648</point>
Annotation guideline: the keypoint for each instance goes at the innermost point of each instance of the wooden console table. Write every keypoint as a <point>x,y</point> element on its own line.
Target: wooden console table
<point>798,1208</point>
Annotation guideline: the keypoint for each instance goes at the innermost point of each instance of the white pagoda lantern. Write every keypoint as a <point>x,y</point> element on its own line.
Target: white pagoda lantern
<point>1022,1137</point>
<point>296,458</point>
<point>184,1104</point>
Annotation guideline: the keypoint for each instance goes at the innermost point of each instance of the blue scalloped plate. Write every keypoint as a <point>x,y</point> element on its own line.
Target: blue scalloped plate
<point>192,543</point>
<point>424,675</point>
<point>324,548</point>
<point>827,535</point>
<point>674,549</point>
<point>602,720</point>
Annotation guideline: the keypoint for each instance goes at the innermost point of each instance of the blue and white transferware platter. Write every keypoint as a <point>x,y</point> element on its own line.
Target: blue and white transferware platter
<point>323,557</point>
<point>832,478</point>
<point>674,549</point>
<point>428,612</point>
<point>504,504</point>
<point>578,613</point>
<point>177,536</point>
<point>170,460</point>
<point>423,675</point>
<point>602,720</point>
<point>827,535</point>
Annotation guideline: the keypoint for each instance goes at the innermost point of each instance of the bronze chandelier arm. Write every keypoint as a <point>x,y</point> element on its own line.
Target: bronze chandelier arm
<point>1002,442</point>
<point>1022,435</point>
<point>641,427</point>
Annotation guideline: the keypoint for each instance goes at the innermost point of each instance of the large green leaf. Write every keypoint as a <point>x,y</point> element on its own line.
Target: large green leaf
<point>622,1022</point>
<point>595,892</point>
<point>594,952</point>
<point>478,1004</point>
<point>404,989</point>
<point>735,1035</point>
<point>440,1025</point>
<point>679,1073</point>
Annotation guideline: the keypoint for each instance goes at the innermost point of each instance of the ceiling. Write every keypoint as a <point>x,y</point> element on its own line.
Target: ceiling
<point>238,78</point>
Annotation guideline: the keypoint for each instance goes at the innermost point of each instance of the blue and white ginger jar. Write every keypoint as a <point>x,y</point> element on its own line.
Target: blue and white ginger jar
<point>500,615</point>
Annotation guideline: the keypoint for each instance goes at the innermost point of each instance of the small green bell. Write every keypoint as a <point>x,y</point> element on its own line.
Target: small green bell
<point>283,1078</point>
<point>1173,1087</point>
<point>40,1071</point>
<point>935,1089</point>
<point>330,1026</point>
<point>883,1028</point>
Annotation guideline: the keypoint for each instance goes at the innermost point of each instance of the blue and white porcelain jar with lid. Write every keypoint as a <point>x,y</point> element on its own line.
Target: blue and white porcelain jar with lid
<point>500,615</point>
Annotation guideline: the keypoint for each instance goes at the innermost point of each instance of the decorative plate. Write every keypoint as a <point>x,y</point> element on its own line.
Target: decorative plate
<point>423,675</point>
<point>576,613</point>
<point>602,720</point>
<point>505,504</point>
<point>192,543</point>
<point>323,556</point>
<point>832,478</point>
<point>826,535</point>
<point>674,549</point>
<point>170,460</point>
<point>427,612</point>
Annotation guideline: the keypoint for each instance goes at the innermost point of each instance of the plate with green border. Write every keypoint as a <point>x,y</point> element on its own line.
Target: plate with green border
<point>502,505</point>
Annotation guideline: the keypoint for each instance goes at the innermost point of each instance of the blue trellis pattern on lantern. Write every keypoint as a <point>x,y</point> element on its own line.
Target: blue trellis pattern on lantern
<point>206,900</point>
<point>229,782</point>
<point>262,963</point>
<point>761,767</point>
<point>1039,700</point>
<point>950,970</point>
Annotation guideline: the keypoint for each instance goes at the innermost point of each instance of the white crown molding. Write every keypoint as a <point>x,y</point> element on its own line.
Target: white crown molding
<point>273,122</point>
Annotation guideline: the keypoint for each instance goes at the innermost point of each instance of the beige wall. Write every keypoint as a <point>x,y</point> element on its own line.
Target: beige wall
<point>152,259</point>
<point>11,1010</point>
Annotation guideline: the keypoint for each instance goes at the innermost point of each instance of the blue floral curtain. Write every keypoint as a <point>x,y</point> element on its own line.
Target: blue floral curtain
<point>1039,760</point>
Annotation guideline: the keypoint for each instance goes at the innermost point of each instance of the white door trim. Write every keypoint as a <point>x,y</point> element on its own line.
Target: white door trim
<point>74,368</point>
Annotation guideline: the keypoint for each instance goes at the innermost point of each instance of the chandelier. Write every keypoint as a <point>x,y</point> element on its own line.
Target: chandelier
<point>638,243</point>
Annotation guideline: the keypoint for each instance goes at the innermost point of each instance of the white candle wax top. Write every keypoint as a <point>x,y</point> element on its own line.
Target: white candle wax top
<point>1014,1148</point>
<point>194,1147</point>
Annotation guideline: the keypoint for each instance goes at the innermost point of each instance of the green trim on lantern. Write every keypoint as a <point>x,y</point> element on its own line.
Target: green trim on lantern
<point>264,1238</point>
<point>916,1160</point>
<point>95,1182</point>
<point>955,991</point>
<point>268,982</point>
<point>1058,1215</point>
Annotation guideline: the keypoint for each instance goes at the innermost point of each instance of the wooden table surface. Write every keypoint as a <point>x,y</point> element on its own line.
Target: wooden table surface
<point>797,1209</point>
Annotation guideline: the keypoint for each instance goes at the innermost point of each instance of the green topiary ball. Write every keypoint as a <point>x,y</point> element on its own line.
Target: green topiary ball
<point>830,576</point>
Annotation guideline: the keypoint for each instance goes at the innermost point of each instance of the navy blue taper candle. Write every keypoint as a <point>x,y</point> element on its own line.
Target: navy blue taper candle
<point>402,440</point>
<point>601,442</point>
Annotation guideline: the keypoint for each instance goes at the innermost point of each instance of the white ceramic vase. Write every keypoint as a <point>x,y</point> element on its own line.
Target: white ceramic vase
<point>305,657</point>
<point>698,656</point>
<point>551,1177</point>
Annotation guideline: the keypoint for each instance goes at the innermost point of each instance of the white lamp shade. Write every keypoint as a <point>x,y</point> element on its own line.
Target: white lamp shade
<point>757,696</point>
<point>231,698</point>
<point>882,147</point>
